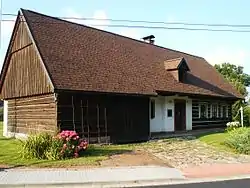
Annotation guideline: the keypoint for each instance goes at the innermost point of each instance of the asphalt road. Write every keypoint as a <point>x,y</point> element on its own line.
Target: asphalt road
<point>240,183</point>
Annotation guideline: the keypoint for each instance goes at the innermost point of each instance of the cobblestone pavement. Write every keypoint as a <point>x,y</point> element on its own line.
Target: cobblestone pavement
<point>189,152</point>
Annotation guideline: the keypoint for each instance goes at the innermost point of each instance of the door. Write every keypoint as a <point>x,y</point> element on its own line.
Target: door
<point>180,115</point>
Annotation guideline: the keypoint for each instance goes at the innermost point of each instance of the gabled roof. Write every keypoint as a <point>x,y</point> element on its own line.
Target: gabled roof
<point>174,64</point>
<point>79,57</point>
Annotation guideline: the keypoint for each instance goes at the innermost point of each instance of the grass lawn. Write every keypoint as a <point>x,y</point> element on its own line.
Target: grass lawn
<point>216,140</point>
<point>10,157</point>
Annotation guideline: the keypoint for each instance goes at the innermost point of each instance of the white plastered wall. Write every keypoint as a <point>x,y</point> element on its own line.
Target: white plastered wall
<point>163,123</point>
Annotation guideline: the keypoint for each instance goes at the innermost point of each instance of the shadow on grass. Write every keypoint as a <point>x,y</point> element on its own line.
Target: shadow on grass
<point>191,135</point>
<point>210,133</point>
<point>6,139</point>
<point>94,151</point>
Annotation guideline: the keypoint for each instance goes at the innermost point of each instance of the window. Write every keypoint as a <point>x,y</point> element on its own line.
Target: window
<point>152,109</point>
<point>214,110</point>
<point>219,111</point>
<point>170,113</point>
<point>224,111</point>
<point>203,110</point>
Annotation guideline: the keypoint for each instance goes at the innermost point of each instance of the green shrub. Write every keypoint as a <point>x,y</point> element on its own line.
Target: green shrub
<point>55,150</point>
<point>66,144</point>
<point>239,140</point>
<point>246,116</point>
<point>36,146</point>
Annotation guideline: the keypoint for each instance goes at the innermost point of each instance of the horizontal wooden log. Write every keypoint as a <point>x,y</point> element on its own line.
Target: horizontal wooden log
<point>34,100</point>
<point>31,111</point>
<point>33,106</point>
<point>33,116</point>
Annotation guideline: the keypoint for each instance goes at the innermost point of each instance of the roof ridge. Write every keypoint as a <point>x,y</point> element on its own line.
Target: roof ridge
<point>119,35</point>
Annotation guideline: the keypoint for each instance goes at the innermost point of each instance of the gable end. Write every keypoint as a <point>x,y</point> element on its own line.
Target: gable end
<point>23,72</point>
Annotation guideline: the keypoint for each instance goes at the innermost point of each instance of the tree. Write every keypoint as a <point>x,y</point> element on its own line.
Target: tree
<point>240,80</point>
<point>235,75</point>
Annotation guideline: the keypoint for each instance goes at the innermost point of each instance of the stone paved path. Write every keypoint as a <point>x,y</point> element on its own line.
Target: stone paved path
<point>183,153</point>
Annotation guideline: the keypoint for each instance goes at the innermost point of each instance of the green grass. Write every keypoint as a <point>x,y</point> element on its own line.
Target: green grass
<point>10,157</point>
<point>217,140</point>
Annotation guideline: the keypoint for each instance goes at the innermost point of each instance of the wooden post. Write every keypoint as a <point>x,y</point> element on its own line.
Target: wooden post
<point>87,112</point>
<point>98,121</point>
<point>73,110</point>
<point>82,118</point>
<point>106,127</point>
<point>241,115</point>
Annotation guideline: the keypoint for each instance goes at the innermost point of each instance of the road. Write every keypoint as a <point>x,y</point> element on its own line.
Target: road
<point>239,183</point>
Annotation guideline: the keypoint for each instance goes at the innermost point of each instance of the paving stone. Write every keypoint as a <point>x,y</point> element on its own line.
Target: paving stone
<point>182,153</point>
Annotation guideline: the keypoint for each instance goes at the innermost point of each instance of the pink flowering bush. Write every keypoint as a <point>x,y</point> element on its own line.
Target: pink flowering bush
<point>66,144</point>
<point>73,145</point>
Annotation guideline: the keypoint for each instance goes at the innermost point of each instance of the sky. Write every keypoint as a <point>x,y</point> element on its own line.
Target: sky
<point>215,47</point>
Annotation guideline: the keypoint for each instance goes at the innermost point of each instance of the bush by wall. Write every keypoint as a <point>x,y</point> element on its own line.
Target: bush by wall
<point>246,116</point>
<point>66,144</point>
<point>239,140</point>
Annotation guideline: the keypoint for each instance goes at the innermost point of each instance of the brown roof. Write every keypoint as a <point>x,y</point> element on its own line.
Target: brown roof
<point>79,57</point>
<point>173,64</point>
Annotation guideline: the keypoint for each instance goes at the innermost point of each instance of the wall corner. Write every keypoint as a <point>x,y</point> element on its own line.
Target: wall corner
<point>5,118</point>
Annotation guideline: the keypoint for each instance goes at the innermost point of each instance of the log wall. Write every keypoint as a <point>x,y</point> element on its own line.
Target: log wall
<point>32,114</point>
<point>210,121</point>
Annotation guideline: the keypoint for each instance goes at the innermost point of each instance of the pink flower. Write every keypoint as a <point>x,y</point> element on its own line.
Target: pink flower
<point>83,143</point>
<point>64,146</point>
<point>76,155</point>
<point>76,138</point>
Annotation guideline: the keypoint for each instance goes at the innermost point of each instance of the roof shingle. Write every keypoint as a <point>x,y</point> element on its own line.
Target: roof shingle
<point>79,57</point>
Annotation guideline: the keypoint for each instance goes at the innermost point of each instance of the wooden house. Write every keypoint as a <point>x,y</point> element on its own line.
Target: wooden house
<point>107,87</point>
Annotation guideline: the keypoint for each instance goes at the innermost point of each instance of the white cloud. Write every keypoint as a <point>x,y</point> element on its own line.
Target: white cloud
<point>223,54</point>
<point>100,15</point>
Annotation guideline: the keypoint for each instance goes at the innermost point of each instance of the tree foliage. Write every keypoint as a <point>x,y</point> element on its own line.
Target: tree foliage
<point>235,75</point>
<point>240,80</point>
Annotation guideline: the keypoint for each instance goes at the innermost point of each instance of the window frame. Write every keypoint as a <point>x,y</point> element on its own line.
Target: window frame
<point>169,110</point>
<point>206,110</point>
<point>214,110</point>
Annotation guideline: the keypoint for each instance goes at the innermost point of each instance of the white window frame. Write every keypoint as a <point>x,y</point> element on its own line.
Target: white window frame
<point>211,110</point>
<point>217,110</point>
<point>206,104</point>
<point>227,112</point>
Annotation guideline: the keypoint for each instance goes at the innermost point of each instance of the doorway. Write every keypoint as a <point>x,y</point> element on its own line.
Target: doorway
<point>180,115</point>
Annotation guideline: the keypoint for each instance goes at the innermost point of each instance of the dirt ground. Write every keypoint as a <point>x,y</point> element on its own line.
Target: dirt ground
<point>134,158</point>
